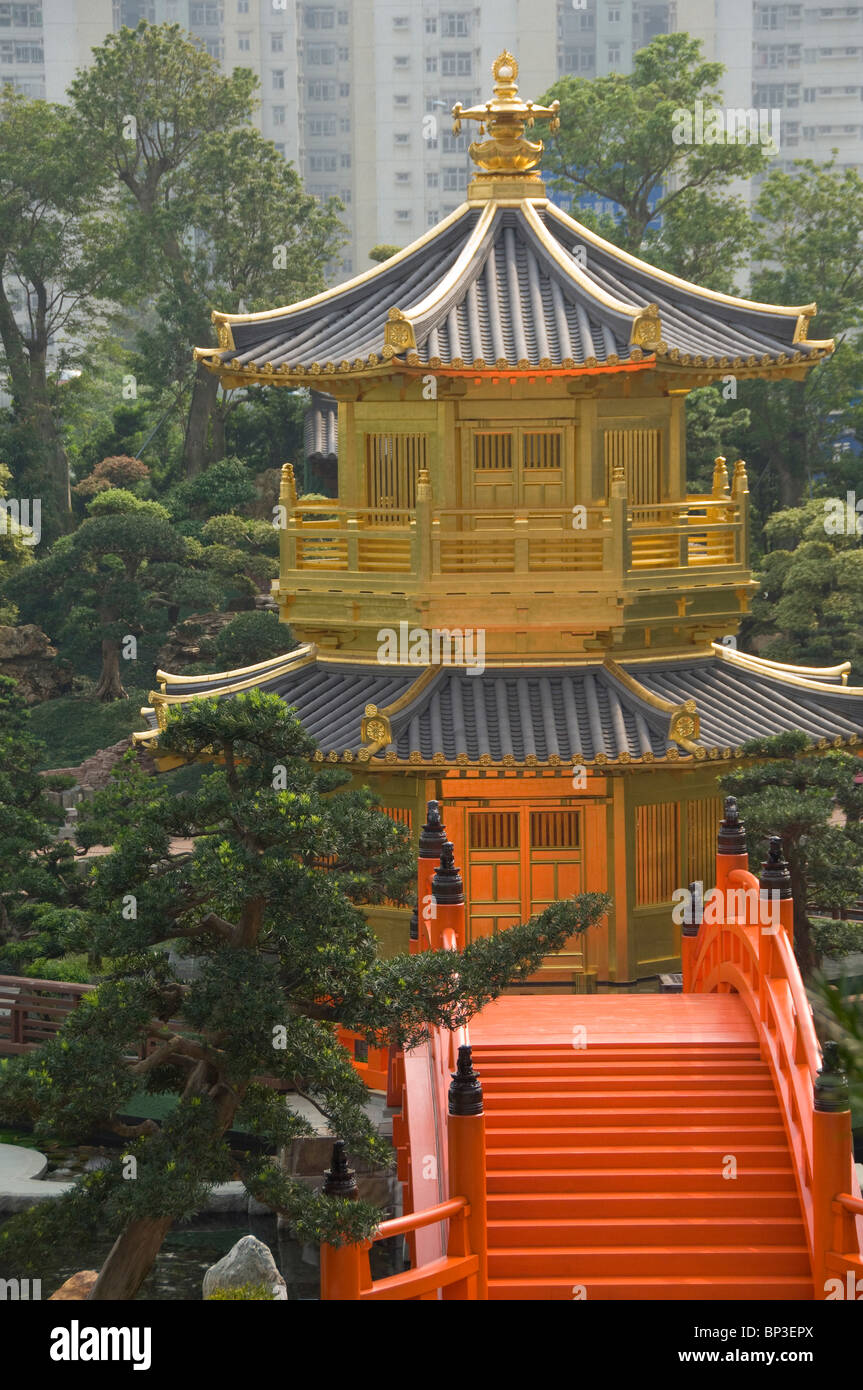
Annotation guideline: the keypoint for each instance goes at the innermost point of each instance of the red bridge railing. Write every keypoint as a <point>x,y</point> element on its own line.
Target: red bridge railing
<point>439,1135</point>
<point>740,939</point>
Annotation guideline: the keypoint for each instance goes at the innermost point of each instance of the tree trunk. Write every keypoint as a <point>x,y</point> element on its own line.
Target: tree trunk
<point>201,408</point>
<point>110,686</point>
<point>131,1259</point>
<point>218,447</point>
<point>804,949</point>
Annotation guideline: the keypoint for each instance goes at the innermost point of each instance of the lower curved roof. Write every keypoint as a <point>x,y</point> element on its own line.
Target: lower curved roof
<point>602,713</point>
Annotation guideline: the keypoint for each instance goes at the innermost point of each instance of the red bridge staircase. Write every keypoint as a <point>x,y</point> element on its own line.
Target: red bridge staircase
<point>623,1147</point>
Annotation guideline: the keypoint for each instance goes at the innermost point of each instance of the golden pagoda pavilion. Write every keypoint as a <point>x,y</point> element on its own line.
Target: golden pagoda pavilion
<point>513,605</point>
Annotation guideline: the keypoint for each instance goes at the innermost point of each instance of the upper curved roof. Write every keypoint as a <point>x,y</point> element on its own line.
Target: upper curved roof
<point>514,285</point>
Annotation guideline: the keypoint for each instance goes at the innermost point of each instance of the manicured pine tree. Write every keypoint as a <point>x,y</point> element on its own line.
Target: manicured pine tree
<point>268,903</point>
<point>813,802</point>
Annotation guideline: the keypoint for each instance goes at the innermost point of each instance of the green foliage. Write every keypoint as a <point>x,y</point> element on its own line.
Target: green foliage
<point>835,938</point>
<point>243,1293</point>
<point>616,142</point>
<point>269,902</point>
<point>226,486</point>
<point>383,251</point>
<point>15,550</point>
<point>711,431</point>
<point>809,604</point>
<point>839,1016</point>
<point>252,637</point>
<point>72,728</point>
<point>38,875</point>
<point>795,793</point>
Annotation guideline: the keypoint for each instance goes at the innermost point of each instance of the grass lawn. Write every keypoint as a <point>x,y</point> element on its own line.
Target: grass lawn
<point>73,728</point>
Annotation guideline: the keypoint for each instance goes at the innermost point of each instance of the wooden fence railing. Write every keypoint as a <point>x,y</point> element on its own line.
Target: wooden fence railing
<point>747,948</point>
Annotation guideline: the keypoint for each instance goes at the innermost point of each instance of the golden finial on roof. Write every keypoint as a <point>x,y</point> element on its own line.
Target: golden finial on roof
<point>506,117</point>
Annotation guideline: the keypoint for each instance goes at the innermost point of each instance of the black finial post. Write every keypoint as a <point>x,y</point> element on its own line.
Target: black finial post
<point>465,1091</point>
<point>831,1083</point>
<point>415,925</point>
<point>433,833</point>
<point>775,876</point>
<point>693,914</point>
<point>339,1179</point>
<point>447,886</point>
<point>732,832</point>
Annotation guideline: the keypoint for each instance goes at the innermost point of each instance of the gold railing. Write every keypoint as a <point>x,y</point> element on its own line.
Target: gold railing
<point>619,538</point>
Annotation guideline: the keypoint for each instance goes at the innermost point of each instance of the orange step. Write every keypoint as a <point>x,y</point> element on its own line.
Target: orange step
<point>566,1180</point>
<point>732,1288</point>
<point>558,1207</point>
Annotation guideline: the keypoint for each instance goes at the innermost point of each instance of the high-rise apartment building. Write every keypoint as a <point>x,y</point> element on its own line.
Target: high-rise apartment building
<point>358,92</point>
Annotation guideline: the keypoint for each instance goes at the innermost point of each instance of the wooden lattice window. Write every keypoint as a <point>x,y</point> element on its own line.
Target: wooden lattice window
<point>657,853</point>
<point>639,453</point>
<point>392,464</point>
<point>494,829</point>
<point>555,829</point>
<point>702,818</point>
<point>541,449</point>
<point>492,450</point>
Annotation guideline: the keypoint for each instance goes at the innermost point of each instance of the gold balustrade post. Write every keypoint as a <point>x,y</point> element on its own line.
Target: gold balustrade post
<point>421,534</point>
<point>352,525</point>
<point>740,494</point>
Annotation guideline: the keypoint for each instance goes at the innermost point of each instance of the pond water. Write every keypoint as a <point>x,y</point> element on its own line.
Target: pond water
<point>188,1252</point>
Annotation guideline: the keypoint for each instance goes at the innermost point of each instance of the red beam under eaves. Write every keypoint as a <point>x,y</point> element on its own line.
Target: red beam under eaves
<point>531,374</point>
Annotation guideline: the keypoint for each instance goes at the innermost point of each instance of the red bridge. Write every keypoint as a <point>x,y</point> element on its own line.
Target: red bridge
<point>691,1146</point>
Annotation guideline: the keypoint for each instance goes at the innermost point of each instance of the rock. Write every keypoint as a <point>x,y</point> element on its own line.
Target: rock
<point>78,1287</point>
<point>94,1164</point>
<point>250,1261</point>
<point>191,641</point>
<point>26,655</point>
<point>94,773</point>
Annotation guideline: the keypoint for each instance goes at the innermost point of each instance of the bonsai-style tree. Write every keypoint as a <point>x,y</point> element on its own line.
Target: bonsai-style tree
<point>813,801</point>
<point>111,578</point>
<point>268,903</point>
<point>119,470</point>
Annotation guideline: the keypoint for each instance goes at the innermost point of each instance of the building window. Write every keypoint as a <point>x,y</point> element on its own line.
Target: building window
<point>614,14</point>
<point>555,829</point>
<point>403,177</point>
<point>431,64</point>
<point>401,138</point>
<point>277,43</point>
<point>319,18</point>
<point>401,21</point>
<point>454,26</point>
<point>344,17</point>
<point>344,89</point>
<point>344,161</point>
<point>432,179</point>
<point>493,829</point>
<point>323,163</point>
<point>279,148</point>
<point>452,180</point>
<point>320,91</point>
<point>613,55</point>
<point>278,115</point>
<point>207,15</point>
<point>322,125</point>
<point>244,42</point>
<point>278,79</point>
<point>242,6</point>
<point>26,52</point>
<point>431,25</point>
<point>492,450</point>
<point>21,16</point>
<point>345,125</point>
<point>403,214</point>
<point>541,449</point>
<point>401,100</point>
<point>215,48</point>
<point>657,853</point>
<point>456,64</point>
<point>433,217</point>
<point>344,55</point>
<point>402,61</point>
<point>321,55</point>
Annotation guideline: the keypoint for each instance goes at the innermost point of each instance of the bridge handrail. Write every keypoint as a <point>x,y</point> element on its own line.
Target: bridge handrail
<point>755,958</point>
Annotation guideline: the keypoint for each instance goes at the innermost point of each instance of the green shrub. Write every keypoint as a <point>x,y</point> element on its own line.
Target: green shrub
<point>834,938</point>
<point>261,1293</point>
<point>250,638</point>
